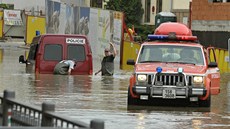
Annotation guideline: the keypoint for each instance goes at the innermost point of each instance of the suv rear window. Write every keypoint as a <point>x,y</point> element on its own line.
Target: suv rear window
<point>53,52</point>
<point>76,52</point>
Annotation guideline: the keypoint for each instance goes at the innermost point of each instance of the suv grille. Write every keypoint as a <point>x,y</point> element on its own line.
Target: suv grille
<point>169,79</point>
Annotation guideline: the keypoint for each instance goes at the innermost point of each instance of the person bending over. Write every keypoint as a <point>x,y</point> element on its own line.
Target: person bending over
<point>64,67</point>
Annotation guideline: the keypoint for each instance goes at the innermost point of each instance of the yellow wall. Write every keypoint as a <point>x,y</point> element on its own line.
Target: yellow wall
<point>1,24</point>
<point>130,51</point>
<point>34,24</point>
<point>222,59</point>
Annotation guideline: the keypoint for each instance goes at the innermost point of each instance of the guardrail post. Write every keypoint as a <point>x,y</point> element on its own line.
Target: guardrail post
<point>6,106</point>
<point>97,124</point>
<point>46,120</point>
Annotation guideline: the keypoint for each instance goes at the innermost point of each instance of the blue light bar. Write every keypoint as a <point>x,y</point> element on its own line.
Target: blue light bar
<point>152,37</point>
<point>157,37</point>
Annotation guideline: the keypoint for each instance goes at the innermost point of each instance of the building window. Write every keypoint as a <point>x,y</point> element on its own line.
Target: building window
<point>159,6</point>
<point>147,10</point>
<point>218,1</point>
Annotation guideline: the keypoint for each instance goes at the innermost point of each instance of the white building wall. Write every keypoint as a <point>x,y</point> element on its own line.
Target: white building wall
<point>38,5</point>
<point>26,4</point>
<point>167,6</point>
<point>152,14</point>
<point>181,4</point>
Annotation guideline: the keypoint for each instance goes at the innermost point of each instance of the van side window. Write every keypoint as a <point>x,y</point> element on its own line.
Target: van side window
<point>53,52</point>
<point>76,52</point>
<point>32,52</point>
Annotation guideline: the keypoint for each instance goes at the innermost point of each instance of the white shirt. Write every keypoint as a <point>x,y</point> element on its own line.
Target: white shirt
<point>69,62</point>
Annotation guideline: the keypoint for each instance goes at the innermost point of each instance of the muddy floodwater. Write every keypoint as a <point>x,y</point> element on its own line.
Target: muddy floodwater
<point>94,97</point>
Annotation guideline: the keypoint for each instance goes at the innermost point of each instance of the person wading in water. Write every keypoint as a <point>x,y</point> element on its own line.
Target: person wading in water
<point>107,64</point>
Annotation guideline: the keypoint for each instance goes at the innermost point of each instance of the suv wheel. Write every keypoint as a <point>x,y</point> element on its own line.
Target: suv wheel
<point>131,100</point>
<point>205,103</point>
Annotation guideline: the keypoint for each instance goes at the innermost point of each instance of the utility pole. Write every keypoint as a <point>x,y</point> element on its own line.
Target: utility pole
<point>190,14</point>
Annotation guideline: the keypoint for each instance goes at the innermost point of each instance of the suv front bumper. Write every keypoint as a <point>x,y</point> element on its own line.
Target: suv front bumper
<point>180,92</point>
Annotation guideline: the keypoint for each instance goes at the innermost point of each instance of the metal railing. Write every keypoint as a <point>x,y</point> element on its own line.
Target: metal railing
<point>14,113</point>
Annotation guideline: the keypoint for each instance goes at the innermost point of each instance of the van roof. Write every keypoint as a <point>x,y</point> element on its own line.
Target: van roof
<point>37,38</point>
<point>63,35</point>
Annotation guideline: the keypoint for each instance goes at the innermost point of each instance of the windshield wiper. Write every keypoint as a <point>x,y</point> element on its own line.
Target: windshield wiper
<point>180,62</point>
<point>149,61</point>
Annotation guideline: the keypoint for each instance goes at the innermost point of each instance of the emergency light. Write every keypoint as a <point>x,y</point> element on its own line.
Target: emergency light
<point>152,37</point>
<point>180,70</point>
<point>159,69</point>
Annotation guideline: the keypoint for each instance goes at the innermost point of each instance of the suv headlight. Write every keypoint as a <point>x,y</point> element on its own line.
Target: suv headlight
<point>198,80</point>
<point>141,78</point>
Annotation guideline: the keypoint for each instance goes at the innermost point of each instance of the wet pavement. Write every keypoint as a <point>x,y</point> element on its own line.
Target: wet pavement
<point>94,97</point>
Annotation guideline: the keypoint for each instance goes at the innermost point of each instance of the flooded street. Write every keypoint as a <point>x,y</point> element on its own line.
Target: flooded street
<point>94,97</point>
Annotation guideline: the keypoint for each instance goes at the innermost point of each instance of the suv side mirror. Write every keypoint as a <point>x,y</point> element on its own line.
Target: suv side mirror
<point>130,62</point>
<point>212,64</point>
<point>21,59</point>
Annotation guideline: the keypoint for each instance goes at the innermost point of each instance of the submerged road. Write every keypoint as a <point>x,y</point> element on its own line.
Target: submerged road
<point>94,97</point>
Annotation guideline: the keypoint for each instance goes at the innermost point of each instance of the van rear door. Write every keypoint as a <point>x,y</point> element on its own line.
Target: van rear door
<point>78,49</point>
<point>50,53</point>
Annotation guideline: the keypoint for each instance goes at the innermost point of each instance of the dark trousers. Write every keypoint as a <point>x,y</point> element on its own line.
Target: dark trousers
<point>61,68</point>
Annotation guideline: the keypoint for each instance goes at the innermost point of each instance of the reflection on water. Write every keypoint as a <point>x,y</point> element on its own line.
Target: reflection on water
<point>1,55</point>
<point>89,97</point>
<point>59,84</point>
<point>220,102</point>
<point>107,81</point>
<point>228,97</point>
<point>167,108</point>
<point>79,91</point>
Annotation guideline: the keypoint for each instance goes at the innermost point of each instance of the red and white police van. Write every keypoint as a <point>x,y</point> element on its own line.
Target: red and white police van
<point>49,49</point>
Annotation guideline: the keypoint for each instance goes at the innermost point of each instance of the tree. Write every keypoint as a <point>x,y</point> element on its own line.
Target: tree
<point>132,10</point>
<point>6,6</point>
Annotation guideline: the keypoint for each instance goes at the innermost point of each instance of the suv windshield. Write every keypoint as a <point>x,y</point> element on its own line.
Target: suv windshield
<point>171,53</point>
